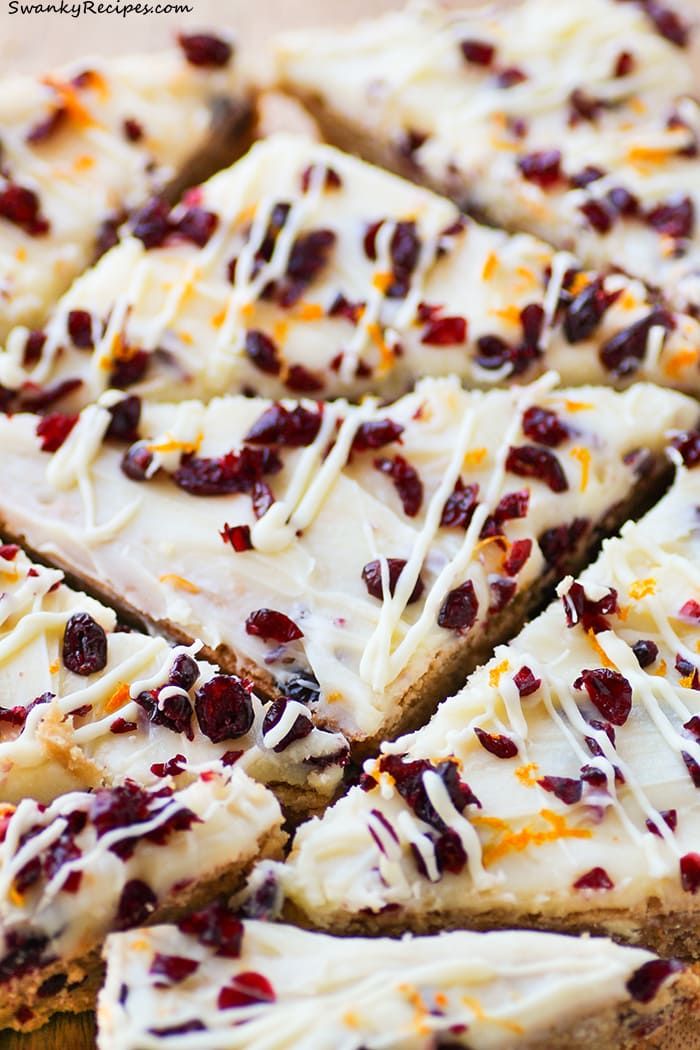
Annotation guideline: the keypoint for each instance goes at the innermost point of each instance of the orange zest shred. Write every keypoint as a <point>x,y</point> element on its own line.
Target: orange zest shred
<point>578,406</point>
<point>71,101</point>
<point>509,314</point>
<point>350,1019</point>
<point>583,456</point>
<point>475,457</point>
<point>172,445</point>
<point>496,672</point>
<point>660,670</point>
<point>646,155</point>
<point>218,318</point>
<point>386,353</point>
<point>595,644</point>
<point>247,310</point>
<point>641,588</point>
<point>531,835</point>
<point>382,280</point>
<point>679,361</point>
<point>581,280</point>
<point>179,582</point>
<point>687,681</point>
<point>527,774</point>
<point>490,267</point>
<point>119,697</point>
<point>480,1015</point>
<point>15,896</point>
<point>54,667</point>
<point>309,312</point>
<point>628,300</point>
<point>623,612</point>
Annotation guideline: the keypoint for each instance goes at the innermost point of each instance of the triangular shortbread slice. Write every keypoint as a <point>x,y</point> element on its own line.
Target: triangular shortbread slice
<point>303,271</point>
<point>94,862</point>
<point>86,144</point>
<point>459,508</point>
<point>292,989</point>
<point>84,703</point>
<point>580,745</point>
<point>562,119</point>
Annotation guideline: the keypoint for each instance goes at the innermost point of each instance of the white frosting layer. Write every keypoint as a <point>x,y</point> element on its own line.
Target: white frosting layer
<point>484,991</point>
<point>233,815</point>
<point>406,72</point>
<point>532,841</point>
<point>161,549</point>
<point>74,740</point>
<point>92,168</point>
<point>461,287</point>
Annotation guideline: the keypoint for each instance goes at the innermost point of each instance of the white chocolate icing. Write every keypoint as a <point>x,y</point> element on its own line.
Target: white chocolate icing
<point>178,304</point>
<point>530,846</point>
<point>485,991</point>
<point>167,558</point>
<point>70,742</point>
<point>405,73</point>
<point>90,170</point>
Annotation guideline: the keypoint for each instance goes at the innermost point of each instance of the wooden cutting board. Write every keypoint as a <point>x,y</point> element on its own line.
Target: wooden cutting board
<point>65,1032</point>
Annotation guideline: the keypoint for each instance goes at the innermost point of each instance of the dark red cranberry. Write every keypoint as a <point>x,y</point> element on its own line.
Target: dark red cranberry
<point>478,52</point>
<point>217,927</point>
<point>129,370</point>
<point>197,225</point>
<point>107,234</point>
<point>668,22</point>
<point>583,106</point>
<point>445,331</point>
<point>292,428</point>
<point>693,726</point>
<point>532,320</point>
<point>408,779</point>
<point>246,989</point>
<point>646,652</point>
<point>496,744</point>
<point>48,127</point>
<point>624,202</point>
<point>566,789</point>
<point>587,175</point>
<point>224,708</point>
<point>609,691</point>
<point>459,609</point>
<point>32,348</point>
<point>645,983</point>
<point>133,130</point>
<point>406,482</point>
<point>8,551</point>
<point>544,427</point>
<point>492,352</point>
<point>579,608</point>
<point>262,352</point>
<point>460,506</point>
<point>302,381</point>
<point>528,461</point>
<point>172,768</point>
<point>331,179</point>
<point>238,536</point>
<point>598,216</point>
<point>21,207</point>
<point>84,645</point>
<point>121,725</point>
<point>510,77</point>
<point>693,768</point>
<point>690,611</point>
<point>543,167</point>
<point>184,671</point>
<point>526,682</point>
<point>137,903</point>
<point>271,625</point>
<point>595,879</point>
<point>309,255</point>
<point>24,951</point>
<point>173,968</point>
<point>674,217</point>
<point>560,541</point>
<point>624,64</point>
<point>688,444</point>
<point>205,50</point>
<point>152,224</point>
<point>126,416</point>
<point>690,872</point>
<point>670,819</point>
<point>450,854</point>
<point>79,326</point>
<point>372,576</point>
<point>502,592</point>
<point>623,353</point>
<point>517,556</point>
<point>404,249</point>
<point>136,462</point>
<point>376,434</point>
<point>232,472</point>
<point>586,311</point>
<point>342,307</point>
<point>300,729</point>
<point>54,429</point>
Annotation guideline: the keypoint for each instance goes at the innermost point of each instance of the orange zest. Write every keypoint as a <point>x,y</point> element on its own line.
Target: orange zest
<point>583,456</point>
<point>555,829</point>
<point>496,672</point>
<point>641,588</point>
<point>179,582</point>
<point>595,644</point>
<point>490,267</point>
<point>119,697</point>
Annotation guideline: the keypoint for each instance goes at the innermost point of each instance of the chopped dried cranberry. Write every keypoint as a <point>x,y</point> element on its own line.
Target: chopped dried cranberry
<point>54,429</point>
<point>595,879</point>
<point>460,506</point>
<point>566,789</point>
<point>478,52</point>
<point>232,472</point>
<point>579,608</point>
<point>372,576</point>
<point>84,645</point>
<point>331,178</point>
<point>644,984</point>
<point>34,398</point>
<point>528,461</point>
<point>668,22</point>
<point>238,536</point>
<point>246,989</point>
<point>197,225</point>
<point>47,128</point>
<point>133,130</point>
<point>562,540</point>
<point>542,167</point>
<point>406,482</point>
<point>121,725</point>
<point>404,249</point>
<point>32,348</point>
<point>532,318</point>
<point>496,744</point>
<point>544,427</point>
<point>450,854</point>
<point>674,217</point>
<point>586,176</point>
<point>408,779</point>
<point>586,311</point>
<point>688,444</point>
<point>646,651</point>
<point>174,968</point>
<point>376,434</point>
<point>107,235</point>
<point>224,708</point>
<point>21,207</point>
<point>271,625</point>
<point>8,551</point>
<point>517,556</point>
<point>300,729</point>
<point>302,381</point>
<point>126,416</point>
<point>609,691</point>
<point>510,77</point>
<point>459,609</point>
<point>262,352</point>
<point>445,331</point>
<point>130,369</point>
<point>342,307</point>
<point>308,256</point>
<point>136,462</point>
<point>79,327</point>
<point>599,217</point>
<point>502,592</point>
<point>525,682</point>
<point>584,107</point>
<point>693,768</point>
<point>205,50</point>
<point>624,64</point>
<point>623,353</point>
<point>292,428</point>
<point>670,819</point>
<point>172,768</point>
<point>25,950</point>
<point>152,224</point>
<point>184,671</point>
<point>492,352</point>
<point>624,202</point>
<point>216,927</point>
<point>137,903</point>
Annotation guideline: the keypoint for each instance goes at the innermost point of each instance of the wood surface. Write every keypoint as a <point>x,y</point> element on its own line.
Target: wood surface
<point>38,41</point>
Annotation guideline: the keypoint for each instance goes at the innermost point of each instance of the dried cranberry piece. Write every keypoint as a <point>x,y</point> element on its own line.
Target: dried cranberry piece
<point>152,224</point>
<point>460,506</point>
<point>586,176</point>
<point>331,178</point>
<point>586,311</point>
<point>232,472</point>
<point>34,398</point>
<point>445,331</point>
<point>623,353</point>
<point>372,576</point>
<point>623,201</point>
<point>215,926</point>
<point>197,225</point>
<point>84,645</point>
<point>47,128</point>
<point>224,708</point>
<point>674,218</point>
<point>136,462</point>
<point>459,609</point>
<point>184,1028</point>
<point>670,819</point>
<point>33,347</point>
<point>309,255</point>
<point>561,540</point>
<point>174,968</point>
<point>25,951</point>
<point>54,429</point>
<point>404,249</point>
<point>133,130</point>
<point>693,768</point>
<point>579,608</point>
<point>492,352</point>
<point>517,556</point>
<point>584,107</point>
<point>542,167</point>
<point>246,989</point>
<point>528,461</point>
<point>668,22</point>
<point>262,352</point>
<point>292,428</point>
<point>271,625</point>
<point>300,729</point>
<point>79,327</point>
<point>646,652</point>
<point>544,426</point>
<point>624,64</point>
<point>496,744</point>
<point>121,725</point>
<point>8,551</point>
<point>262,498</point>
<point>376,434</point>
<point>205,50</point>
<point>688,444</point>
<point>510,77</point>
<point>408,779</point>
<point>450,854</point>
<point>609,691</point>
<point>238,536</point>
<point>526,682</point>
<point>599,217</point>
<point>595,879</point>
<point>409,142</point>
<point>690,872</point>
<point>502,591</point>
<point>566,789</point>
<point>302,381</point>
<point>126,416</point>
<point>690,611</point>
<point>129,370</point>
<point>645,982</point>
<point>21,207</point>
<point>406,482</point>
<point>107,235</point>
<point>478,52</point>
<point>136,903</point>
<point>532,318</point>
<point>172,768</point>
